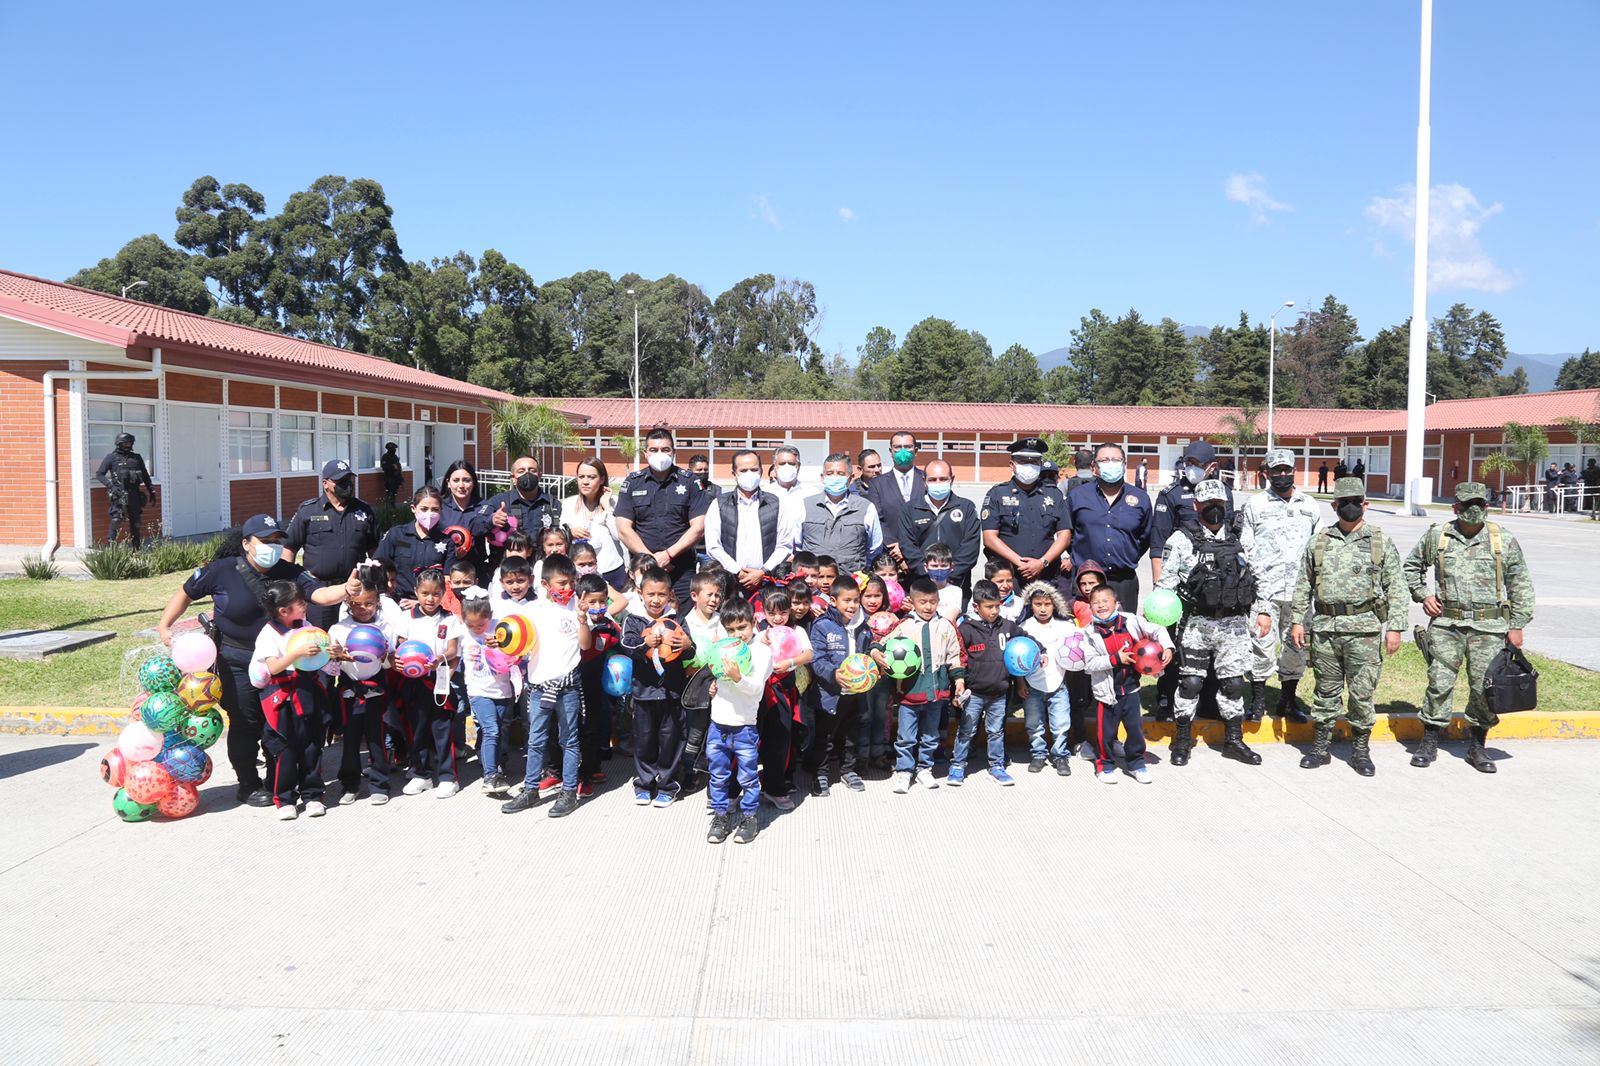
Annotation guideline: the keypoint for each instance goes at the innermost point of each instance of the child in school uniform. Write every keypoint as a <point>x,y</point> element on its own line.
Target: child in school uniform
<point>840,632</point>
<point>518,545</point>
<point>732,738</point>
<point>1045,698</point>
<point>432,701</point>
<point>489,686</point>
<point>294,704</point>
<point>1113,634</point>
<point>1089,576</point>
<point>873,746</point>
<point>605,638</point>
<point>363,694</point>
<point>926,696</point>
<point>703,619</point>
<point>983,642</point>
<point>552,541</point>
<point>658,677</point>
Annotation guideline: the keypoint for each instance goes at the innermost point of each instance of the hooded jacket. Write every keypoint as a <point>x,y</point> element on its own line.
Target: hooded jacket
<point>832,639</point>
<point>983,646</point>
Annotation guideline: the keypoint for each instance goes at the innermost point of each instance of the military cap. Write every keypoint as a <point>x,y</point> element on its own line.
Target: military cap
<point>1349,488</point>
<point>1471,490</point>
<point>1027,448</point>
<point>1280,457</point>
<point>1210,489</point>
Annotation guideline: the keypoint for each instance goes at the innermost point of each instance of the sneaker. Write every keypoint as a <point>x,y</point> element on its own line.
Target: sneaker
<point>585,789</point>
<point>926,779</point>
<point>721,826</point>
<point>853,782</point>
<point>954,778</point>
<point>315,809</point>
<point>598,776</point>
<point>491,785</point>
<point>902,782</point>
<point>783,803</point>
<point>287,814</point>
<point>819,787</point>
<point>527,798</point>
<point>416,786</point>
<point>641,798</point>
<point>1106,777</point>
<point>1063,767</point>
<point>348,796</point>
<point>565,804</point>
<point>446,790</point>
<point>663,800</point>
<point>1002,775</point>
<point>1035,764</point>
<point>549,783</point>
<point>1142,775</point>
<point>379,799</point>
<point>1086,751</point>
<point>749,829</point>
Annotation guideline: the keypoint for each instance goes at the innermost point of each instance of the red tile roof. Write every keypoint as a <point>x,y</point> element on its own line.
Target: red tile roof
<point>127,323</point>
<point>1489,413</point>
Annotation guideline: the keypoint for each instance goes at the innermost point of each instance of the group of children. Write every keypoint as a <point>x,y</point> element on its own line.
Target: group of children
<point>743,729</point>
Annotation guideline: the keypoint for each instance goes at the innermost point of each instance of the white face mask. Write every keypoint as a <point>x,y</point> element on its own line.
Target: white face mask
<point>267,555</point>
<point>660,462</point>
<point>1027,473</point>
<point>750,480</point>
<point>788,473</point>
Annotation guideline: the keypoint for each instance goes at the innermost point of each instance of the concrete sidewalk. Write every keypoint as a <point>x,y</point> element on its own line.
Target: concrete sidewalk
<point>1224,914</point>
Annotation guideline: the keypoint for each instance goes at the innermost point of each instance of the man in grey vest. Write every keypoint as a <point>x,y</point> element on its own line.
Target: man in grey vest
<point>745,531</point>
<point>838,523</point>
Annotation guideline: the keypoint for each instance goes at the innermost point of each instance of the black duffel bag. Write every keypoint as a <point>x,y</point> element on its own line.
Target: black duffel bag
<point>1511,683</point>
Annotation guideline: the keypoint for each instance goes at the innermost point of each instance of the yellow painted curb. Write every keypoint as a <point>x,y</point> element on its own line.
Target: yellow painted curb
<point>63,721</point>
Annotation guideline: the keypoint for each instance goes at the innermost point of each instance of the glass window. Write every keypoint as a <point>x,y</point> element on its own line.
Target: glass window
<point>109,419</point>
<point>250,442</point>
<point>333,440</point>
<point>296,443</point>
<point>369,444</point>
<point>400,434</point>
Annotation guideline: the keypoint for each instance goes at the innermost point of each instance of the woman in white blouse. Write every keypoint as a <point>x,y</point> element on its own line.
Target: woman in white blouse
<point>589,516</point>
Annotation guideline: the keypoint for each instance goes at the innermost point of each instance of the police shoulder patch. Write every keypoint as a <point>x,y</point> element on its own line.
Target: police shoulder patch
<point>198,571</point>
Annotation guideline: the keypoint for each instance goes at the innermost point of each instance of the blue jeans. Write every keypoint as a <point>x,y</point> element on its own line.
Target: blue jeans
<point>992,710</point>
<point>558,708</point>
<point>488,712</point>
<point>871,737</point>
<point>1058,704</point>
<point>918,735</point>
<point>730,750</point>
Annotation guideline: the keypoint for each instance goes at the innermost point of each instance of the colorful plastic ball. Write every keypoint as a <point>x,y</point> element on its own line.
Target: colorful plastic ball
<point>516,636</point>
<point>202,730</point>
<point>200,691</point>
<point>897,594</point>
<point>139,742</point>
<point>129,809</point>
<point>861,577</point>
<point>617,678</point>
<point>193,652</point>
<point>1082,615</point>
<point>182,802</point>
<point>205,771</point>
<point>163,711</point>
<point>159,674</point>
<point>783,641</point>
<point>667,650</point>
<point>185,762</point>
<point>113,768</point>
<point>882,624</point>
<point>1021,656</point>
<point>498,661</point>
<point>699,656</point>
<point>905,658</point>
<point>366,644</point>
<point>1074,646</point>
<point>136,714</point>
<point>414,658</point>
<point>1162,607</point>
<point>857,674</point>
<point>1147,657</point>
<point>730,650</point>
<point>147,782</point>
<point>461,537</point>
<point>308,646</point>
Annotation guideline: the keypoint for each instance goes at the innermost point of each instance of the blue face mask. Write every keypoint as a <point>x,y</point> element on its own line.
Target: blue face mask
<point>1108,619</point>
<point>939,573</point>
<point>835,484</point>
<point>1111,471</point>
<point>939,490</point>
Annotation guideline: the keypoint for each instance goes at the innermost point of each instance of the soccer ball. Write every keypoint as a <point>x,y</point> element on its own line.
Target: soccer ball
<point>200,691</point>
<point>905,658</point>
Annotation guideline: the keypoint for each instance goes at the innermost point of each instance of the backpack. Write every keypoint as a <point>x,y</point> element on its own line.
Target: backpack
<point>1499,565</point>
<point>1510,683</point>
<point>1319,551</point>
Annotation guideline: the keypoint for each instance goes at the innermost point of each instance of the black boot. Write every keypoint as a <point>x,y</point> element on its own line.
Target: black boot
<point>1428,747</point>
<point>1256,702</point>
<point>1318,755</point>
<point>1361,753</point>
<point>1288,706</point>
<point>1182,741</point>
<point>1235,747</point>
<point>1476,756</point>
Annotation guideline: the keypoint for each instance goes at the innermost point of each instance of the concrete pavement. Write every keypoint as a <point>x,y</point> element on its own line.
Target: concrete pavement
<point>1223,914</point>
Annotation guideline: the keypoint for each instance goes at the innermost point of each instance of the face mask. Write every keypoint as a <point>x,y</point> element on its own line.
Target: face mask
<point>1111,471</point>
<point>660,462</point>
<point>939,573</point>
<point>585,570</point>
<point>703,479</point>
<point>597,612</point>
<point>903,456</point>
<point>527,482</point>
<point>1026,473</point>
<point>1349,511</point>
<point>1194,474</point>
<point>560,597</point>
<point>939,490</point>
<point>750,480</point>
<point>1212,514</point>
<point>267,555</point>
<point>427,519</point>
<point>1108,619</point>
<point>835,484</point>
<point>1282,482</point>
<point>1475,515</point>
<point>344,489</point>
<point>788,473</point>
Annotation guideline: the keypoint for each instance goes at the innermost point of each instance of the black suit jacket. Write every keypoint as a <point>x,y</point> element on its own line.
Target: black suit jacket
<point>884,492</point>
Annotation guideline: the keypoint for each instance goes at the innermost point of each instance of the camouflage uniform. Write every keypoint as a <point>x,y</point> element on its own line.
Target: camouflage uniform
<point>1274,532</point>
<point>1478,609</point>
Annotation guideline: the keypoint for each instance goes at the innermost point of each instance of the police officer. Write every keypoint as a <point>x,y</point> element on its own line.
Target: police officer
<point>418,545</point>
<point>524,501</point>
<point>1050,473</point>
<point>1274,527</point>
<point>336,530</point>
<point>700,470</point>
<point>941,516</point>
<point>124,474</point>
<point>1025,522</point>
<point>1111,523</point>
<point>1174,509</point>
<point>1482,599</point>
<point>662,513</point>
<point>1349,579</point>
<point>1208,571</point>
<point>235,584</point>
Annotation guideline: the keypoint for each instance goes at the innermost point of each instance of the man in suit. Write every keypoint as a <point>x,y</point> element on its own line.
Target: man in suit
<point>892,490</point>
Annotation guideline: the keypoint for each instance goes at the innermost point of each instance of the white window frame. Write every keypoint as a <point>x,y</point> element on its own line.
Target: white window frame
<point>305,434</point>
<point>334,442</point>
<point>266,428</point>
<point>98,423</point>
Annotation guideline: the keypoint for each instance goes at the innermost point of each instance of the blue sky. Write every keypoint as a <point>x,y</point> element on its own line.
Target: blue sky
<point>1005,166</point>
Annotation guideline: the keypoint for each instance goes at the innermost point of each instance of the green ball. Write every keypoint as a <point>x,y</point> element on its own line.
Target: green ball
<point>1162,607</point>
<point>160,674</point>
<point>163,712</point>
<point>730,648</point>
<point>905,657</point>
<point>202,730</point>
<point>700,656</point>
<point>130,811</point>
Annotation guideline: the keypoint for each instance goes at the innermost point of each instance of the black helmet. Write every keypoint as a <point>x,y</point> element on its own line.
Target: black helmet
<point>124,439</point>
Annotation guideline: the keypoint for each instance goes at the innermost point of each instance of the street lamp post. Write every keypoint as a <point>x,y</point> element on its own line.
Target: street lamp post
<point>635,378</point>
<point>1272,367</point>
<point>131,286</point>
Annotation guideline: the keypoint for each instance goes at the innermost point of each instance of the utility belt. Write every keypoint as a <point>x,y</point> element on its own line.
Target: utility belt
<point>1344,610</point>
<point>1474,614</point>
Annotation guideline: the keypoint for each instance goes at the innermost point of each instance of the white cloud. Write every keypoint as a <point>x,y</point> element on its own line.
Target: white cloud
<point>761,210</point>
<point>846,215</point>
<point>1251,190</point>
<point>1456,260</point>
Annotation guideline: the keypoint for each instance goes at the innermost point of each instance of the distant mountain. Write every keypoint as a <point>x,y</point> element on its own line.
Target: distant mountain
<point>1542,369</point>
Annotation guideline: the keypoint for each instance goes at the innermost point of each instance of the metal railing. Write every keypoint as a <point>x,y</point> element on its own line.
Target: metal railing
<point>491,482</point>
<point>1558,499</point>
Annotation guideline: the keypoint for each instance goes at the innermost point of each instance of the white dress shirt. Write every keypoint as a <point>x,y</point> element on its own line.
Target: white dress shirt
<point>747,539</point>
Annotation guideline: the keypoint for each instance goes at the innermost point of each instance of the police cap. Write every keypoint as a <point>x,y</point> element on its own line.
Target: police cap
<point>1027,448</point>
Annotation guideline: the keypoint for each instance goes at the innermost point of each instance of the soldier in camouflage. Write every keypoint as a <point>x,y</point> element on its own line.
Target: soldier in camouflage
<point>1274,528</point>
<point>1482,599</point>
<point>1210,574</point>
<point>1351,583</point>
<point>124,474</point>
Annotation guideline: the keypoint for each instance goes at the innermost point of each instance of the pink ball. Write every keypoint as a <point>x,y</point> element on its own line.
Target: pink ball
<point>784,642</point>
<point>139,742</point>
<point>193,652</point>
<point>181,801</point>
<point>1073,647</point>
<point>148,782</point>
<point>897,594</point>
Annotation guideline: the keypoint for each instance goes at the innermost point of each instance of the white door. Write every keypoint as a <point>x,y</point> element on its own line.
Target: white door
<point>1160,478</point>
<point>193,481</point>
<point>449,445</point>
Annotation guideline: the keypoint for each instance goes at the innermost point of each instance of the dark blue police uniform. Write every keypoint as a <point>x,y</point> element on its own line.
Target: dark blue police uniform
<point>533,515</point>
<point>661,510</point>
<point>334,541</point>
<point>1027,517</point>
<point>1113,532</point>
<point>475,519</point>
<point>411,555</point>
